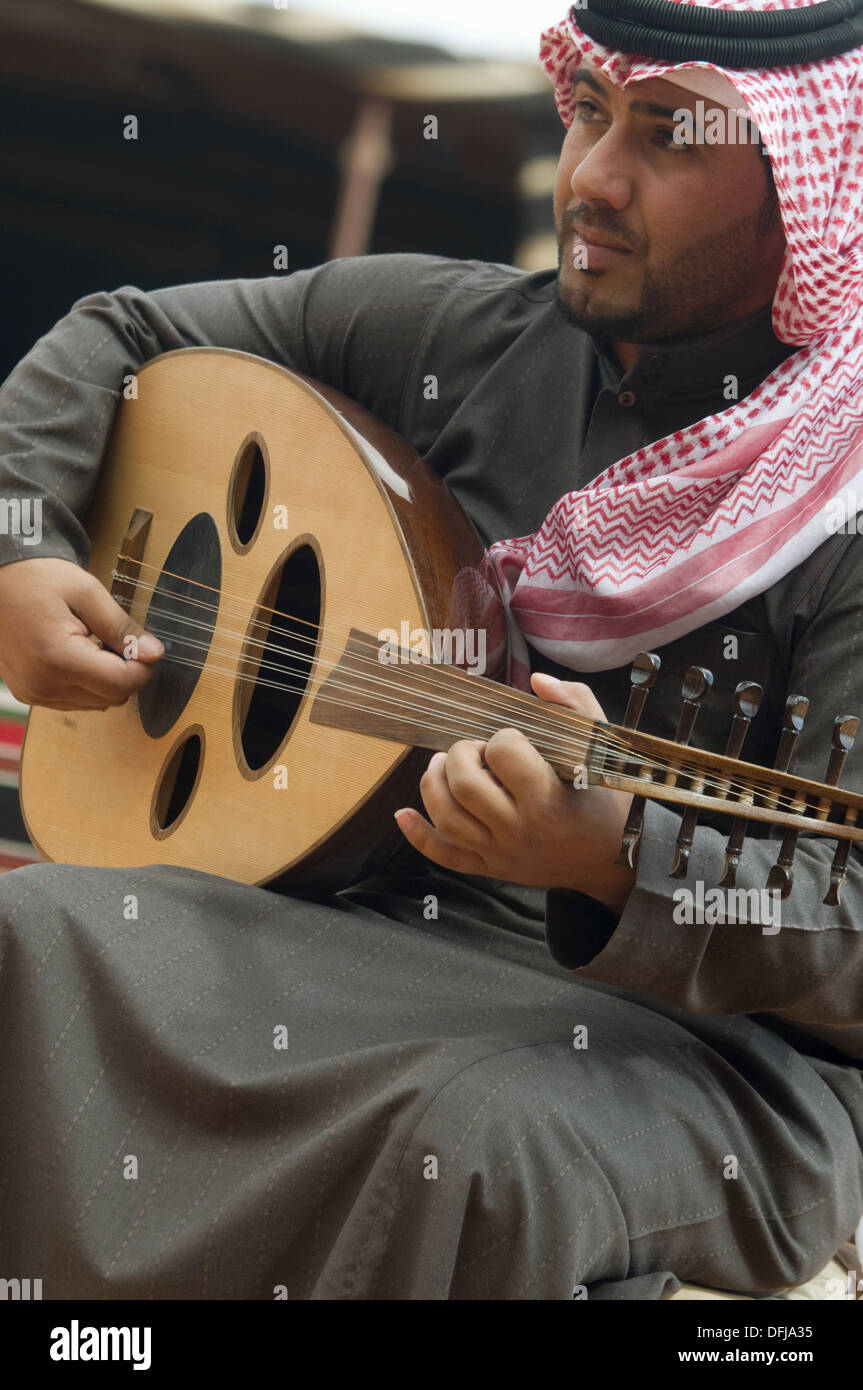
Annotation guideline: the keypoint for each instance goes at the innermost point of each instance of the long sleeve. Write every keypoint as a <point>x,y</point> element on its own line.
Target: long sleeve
<point>808,974</point>
<point>354,324</point>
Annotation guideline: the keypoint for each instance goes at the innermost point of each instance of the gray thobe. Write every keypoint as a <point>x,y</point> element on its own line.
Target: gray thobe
<point>431,1130</point>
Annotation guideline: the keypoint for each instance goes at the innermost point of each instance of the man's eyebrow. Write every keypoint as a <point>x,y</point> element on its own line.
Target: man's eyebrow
<point>641,108</point>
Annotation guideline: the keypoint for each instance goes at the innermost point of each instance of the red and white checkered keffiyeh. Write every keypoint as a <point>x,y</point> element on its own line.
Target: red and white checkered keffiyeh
<point>685,529</point>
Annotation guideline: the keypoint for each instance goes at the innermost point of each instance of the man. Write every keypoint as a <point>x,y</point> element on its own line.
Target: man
<point>457,1116</point>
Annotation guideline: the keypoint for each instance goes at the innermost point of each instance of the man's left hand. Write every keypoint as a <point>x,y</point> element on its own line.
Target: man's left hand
<point>497,808</point>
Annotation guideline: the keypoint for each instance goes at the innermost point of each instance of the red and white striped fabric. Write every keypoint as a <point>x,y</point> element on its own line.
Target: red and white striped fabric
<point>682,531</point>
<point>15,848</point>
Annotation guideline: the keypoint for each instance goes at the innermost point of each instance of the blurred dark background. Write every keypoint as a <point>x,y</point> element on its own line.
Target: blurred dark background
<point>256,128</point>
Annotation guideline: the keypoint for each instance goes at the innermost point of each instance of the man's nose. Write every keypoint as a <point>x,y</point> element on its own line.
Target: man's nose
<point>604,174</point>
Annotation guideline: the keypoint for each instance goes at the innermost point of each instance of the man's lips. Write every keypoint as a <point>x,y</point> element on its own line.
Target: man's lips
<point>594,255</point>
<point>593,240</point>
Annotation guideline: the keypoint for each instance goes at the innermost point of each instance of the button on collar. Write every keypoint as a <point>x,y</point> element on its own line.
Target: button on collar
<point>626,398</point>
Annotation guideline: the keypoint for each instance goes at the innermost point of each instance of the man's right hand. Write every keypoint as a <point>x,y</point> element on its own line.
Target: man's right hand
<point>50,610</point>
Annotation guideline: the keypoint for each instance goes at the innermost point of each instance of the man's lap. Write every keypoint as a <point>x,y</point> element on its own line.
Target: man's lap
<point>360,1101</point>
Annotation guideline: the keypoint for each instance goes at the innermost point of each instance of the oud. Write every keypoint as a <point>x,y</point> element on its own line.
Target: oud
<point>267,528</point>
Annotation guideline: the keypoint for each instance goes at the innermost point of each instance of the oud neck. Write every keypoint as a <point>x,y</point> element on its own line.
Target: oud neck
<point>433,706</point>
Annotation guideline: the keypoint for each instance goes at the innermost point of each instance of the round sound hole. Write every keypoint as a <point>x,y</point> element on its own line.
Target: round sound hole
<point>182,613</point>
<point>278,656</point>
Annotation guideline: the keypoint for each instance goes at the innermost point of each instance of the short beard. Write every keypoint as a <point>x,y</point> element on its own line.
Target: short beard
<point>634,325</point>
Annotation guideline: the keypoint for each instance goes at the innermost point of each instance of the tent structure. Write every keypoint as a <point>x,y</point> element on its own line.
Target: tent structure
<point>254,127</point>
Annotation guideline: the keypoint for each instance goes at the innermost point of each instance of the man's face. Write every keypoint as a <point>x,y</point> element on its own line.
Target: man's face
<point>703,235</point>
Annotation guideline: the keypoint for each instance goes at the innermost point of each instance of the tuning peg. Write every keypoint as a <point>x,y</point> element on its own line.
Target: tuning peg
<point>796,709</point>
<point>696,683</point>
<point>781,876</point>
<point>795,712</point>
<point>845,730</point>
<point>642,678</point>
<point>747,702</point>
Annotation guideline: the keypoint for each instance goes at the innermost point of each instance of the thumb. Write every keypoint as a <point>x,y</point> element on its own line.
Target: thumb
<point>112,624</point>
<point>574,695</point>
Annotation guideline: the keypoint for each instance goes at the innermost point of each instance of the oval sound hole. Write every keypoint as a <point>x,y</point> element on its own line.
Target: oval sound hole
<point>178,781</point>
<point>277,672</point>
<point>247,491</point>
<point>183,613</point>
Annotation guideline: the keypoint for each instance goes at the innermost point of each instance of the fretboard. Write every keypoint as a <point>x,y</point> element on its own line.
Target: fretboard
<point>432,706</point>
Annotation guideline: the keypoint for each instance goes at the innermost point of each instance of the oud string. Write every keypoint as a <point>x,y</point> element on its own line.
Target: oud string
<point>563,750</point>
<point>492,695</point>
<point>492,701</point>
<point>463,726</point>
<point>602,763</point>
<point>721,784</point>
<point>609,748</point>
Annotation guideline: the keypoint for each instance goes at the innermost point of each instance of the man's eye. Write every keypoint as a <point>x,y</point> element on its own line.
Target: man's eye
<point>584,105</point>
<point>665,137</point>
<point>672,143</point>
